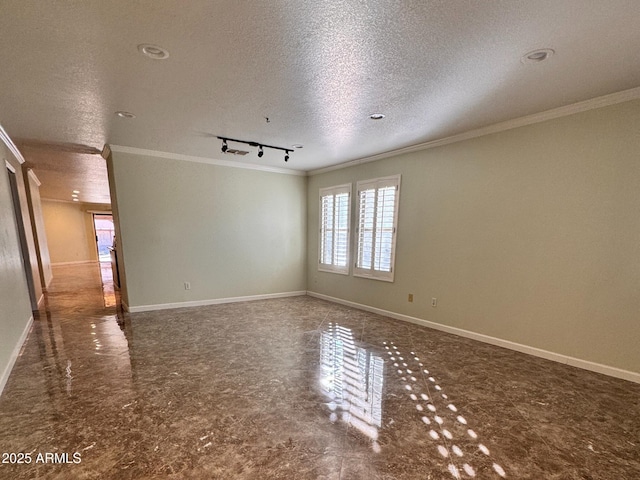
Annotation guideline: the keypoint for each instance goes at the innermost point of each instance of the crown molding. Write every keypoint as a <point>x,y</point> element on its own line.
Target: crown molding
<point>210,161</point>
<point>106,152</point>
<point>79,204</point>
<point>591,104</point>
<point>10,145</point>
<point>56,200</point>
<point>34,177</point>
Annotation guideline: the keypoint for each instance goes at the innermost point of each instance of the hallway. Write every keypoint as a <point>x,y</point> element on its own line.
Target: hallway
<point>296,388</point>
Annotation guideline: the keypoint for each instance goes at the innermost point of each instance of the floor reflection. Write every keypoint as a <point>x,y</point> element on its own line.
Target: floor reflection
<point>352,379</point>
<point>74,316</point>
<point>439,414</point>
<point>108,288</point>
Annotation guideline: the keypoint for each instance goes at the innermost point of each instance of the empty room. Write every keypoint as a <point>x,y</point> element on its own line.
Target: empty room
<point>320,240</point>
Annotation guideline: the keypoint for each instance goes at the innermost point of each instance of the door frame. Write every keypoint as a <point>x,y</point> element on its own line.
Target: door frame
<point>22,235</point>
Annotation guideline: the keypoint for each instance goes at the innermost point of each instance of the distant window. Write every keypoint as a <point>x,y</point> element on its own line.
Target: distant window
<point>377,224</point>
<point>335,206</point>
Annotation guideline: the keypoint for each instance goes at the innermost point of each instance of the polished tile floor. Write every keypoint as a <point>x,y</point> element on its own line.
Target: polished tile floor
<point>295,388</point>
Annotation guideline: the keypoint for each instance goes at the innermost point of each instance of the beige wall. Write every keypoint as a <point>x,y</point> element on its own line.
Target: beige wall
<point>15,308</point>
<point>530,235</point>
<point>70,232</point>
<point>230,232</point>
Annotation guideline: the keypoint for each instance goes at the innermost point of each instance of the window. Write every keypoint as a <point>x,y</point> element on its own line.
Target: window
<point>335,205</point>
<point>377,222</point>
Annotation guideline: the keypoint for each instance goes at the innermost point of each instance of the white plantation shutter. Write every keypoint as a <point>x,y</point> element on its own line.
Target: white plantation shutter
<point>377,222</point>
<point>335,207</point>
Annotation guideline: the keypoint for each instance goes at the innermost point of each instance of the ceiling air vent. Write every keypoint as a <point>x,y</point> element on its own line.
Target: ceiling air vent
<point>236,152</point>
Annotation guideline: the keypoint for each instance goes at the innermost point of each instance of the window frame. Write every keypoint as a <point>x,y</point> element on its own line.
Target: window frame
<point>324,192</point>
<point>377,184</point>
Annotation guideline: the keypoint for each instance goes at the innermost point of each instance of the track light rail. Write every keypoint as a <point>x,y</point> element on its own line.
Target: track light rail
<point>260,146</point>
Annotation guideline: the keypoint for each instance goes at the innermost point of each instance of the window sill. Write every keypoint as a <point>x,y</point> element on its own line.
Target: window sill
<point>331,270</point>
<point>386,278</point>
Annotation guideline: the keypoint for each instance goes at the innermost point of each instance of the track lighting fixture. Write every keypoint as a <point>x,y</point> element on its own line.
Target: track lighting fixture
<point>260,146</point>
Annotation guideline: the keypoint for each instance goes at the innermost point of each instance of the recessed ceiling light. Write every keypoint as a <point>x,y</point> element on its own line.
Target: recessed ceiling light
<point>74,195</point>
<point>76,200</point>
<point>297,145</point>
<point>153,51</point>
<point>123,114</point>
<point>537,56</point>
<point>376,116</point>
<point>76,191</point>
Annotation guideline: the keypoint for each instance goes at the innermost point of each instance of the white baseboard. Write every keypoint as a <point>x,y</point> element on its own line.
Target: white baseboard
<point>214,301</point>
<point>79,262</point>
<point>538,352</point>
<point>15,354</point>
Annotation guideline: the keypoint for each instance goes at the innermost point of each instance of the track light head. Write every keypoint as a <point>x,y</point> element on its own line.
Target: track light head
<point>286,156</point>
<point>224,146</point>
<point>260,151</point>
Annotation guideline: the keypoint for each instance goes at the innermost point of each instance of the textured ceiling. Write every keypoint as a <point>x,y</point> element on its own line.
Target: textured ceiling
<point>61,171</point>
<point>315,69</point>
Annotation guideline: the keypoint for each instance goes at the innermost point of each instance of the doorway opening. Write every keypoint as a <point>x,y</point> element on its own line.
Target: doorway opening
<point>105,243</point>
<point>105,233</point>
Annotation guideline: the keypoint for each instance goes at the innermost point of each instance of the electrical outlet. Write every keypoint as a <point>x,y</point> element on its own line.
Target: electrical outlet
<point>434,302</point>
<point>410,299</point>
<point>187,285</point>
